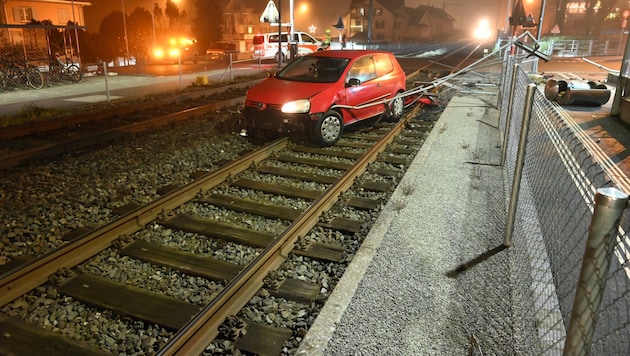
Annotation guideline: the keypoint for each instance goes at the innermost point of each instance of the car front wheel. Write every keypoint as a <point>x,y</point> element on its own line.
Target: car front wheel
<point>328,128</point>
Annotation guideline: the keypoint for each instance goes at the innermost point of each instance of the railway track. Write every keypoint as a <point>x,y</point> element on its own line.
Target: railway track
<point>39,140</point>
<point>288,206</point>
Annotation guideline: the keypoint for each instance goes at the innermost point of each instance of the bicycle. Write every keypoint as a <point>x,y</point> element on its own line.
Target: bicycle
<point>58,70</point>
<point>12,75</point>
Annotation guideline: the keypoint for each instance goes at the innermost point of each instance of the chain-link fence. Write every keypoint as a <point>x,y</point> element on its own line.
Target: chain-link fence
<point>561,173</point>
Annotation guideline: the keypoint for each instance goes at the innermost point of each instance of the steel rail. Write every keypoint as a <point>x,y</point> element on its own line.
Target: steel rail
<point>50,150</point>
<point>26,277</point>
<point>62,122</point>
<point>195,336</point>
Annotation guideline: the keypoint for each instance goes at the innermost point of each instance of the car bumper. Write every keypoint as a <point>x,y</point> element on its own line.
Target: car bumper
<point>275,121</point>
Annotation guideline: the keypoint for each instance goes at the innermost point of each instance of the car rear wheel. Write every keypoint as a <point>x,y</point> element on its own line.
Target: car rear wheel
<point>328,128</point>
<point>278,56</point>
<point>396,108</point>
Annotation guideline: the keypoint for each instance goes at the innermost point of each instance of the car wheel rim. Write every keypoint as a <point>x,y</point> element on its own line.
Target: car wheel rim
<point>398,107</point>
<point>330,129</point>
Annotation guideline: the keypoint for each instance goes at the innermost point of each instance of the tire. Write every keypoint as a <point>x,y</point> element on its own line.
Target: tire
<point>328,129</point>
<point>396,108</point>
<point>74,73</point>
<point>34,78</point>
<point>280,55</point>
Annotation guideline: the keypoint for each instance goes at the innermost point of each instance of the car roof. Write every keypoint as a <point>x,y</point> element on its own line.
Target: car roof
<point>346,53</point>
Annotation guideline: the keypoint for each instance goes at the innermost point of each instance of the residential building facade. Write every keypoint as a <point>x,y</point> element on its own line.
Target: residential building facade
<point>16,17</point>
<point>393,22</point>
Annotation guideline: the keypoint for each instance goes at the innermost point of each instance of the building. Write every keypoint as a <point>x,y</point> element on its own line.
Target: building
<point>242,22</point>
<point>20,22</point>
<point>392,22</point>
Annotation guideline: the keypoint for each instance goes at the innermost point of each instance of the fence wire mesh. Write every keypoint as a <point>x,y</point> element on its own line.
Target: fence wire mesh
<point>555,207</point>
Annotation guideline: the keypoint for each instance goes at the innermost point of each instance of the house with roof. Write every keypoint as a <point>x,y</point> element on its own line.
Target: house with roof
<point>242,22</point>
<point>393,22</point>
<point>428,23</point>
<point>17,17</point>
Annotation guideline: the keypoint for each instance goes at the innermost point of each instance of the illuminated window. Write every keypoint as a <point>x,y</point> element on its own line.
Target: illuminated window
<point>64,16</point>
<point>22,14</point>
<point>576,8</point>
<point>378,12</point>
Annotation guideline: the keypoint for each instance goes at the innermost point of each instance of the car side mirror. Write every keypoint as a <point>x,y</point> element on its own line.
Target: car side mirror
<point>353,82</point>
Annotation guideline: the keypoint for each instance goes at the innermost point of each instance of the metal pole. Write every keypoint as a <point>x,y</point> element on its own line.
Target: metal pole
<point>279,34</point>
<point>179,62</point>
<point>520,160</point>
<point>153,25</point>
<point>609,205</point>
<point>369,31</point>
<point>508,119</point>
<point>125,28</point>
<point>106,81</point>
<point>76,36</point>
<point>539,30</point>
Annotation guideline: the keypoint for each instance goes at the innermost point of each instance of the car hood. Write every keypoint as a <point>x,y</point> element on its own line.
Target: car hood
<point>277,91</point>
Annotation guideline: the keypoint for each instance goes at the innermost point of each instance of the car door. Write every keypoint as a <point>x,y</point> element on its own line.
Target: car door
<point>367,90</point>
<point>386,75</point>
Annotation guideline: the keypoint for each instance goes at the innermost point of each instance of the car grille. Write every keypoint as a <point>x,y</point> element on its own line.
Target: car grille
<point>257,104</point>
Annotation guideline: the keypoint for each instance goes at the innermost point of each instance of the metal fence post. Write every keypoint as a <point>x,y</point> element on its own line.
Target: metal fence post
<point>609,205</point>
<point>506,131</point>
<point>520,160</point>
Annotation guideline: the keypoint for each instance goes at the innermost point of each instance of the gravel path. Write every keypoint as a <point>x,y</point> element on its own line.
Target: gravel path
<point>412,296</point>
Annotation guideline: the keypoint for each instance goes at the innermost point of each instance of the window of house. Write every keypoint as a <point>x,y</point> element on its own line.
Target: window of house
<point>378,12</point>
<point>64,16</point>
<point>576,7</point>
<point>22,14</point>
<point>379,24</point>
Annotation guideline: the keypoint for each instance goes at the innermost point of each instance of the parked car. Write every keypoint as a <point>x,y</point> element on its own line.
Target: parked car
<point>220,51</point>
<point>265,45</point>
<point>325,91</point>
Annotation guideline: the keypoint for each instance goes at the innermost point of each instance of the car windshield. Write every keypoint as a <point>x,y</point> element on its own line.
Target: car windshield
<point>314,69</point>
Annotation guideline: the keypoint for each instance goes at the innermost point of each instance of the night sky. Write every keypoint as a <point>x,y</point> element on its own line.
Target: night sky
<point>319,13</point>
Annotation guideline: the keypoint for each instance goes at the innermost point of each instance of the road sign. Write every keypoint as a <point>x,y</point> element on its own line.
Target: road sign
<point>271,13</point>
<point>555,30</point>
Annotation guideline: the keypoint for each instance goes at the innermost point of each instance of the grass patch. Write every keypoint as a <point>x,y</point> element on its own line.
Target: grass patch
<point>29,113</point>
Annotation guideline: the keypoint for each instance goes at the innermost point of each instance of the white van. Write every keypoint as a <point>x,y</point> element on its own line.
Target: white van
<point>265,45</point>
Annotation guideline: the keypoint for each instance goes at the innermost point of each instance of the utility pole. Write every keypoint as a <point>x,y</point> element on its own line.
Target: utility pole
<point>125,28</point>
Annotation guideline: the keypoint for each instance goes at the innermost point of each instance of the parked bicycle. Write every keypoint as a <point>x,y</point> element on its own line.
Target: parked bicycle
<point>68,71</point>
<point>13,74</point>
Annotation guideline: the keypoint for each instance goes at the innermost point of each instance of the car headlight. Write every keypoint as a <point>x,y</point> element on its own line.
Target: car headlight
<point>297,106</point>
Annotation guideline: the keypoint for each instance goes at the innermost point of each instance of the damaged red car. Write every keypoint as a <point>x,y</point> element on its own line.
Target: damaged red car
<point>323,92</point>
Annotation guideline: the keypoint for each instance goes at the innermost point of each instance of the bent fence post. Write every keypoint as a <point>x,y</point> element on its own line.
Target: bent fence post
<point>508,117</point>
<point>520,160</point>
<point>609,205</point>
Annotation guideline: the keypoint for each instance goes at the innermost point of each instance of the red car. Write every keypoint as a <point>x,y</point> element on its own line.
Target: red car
<point>325,91</point>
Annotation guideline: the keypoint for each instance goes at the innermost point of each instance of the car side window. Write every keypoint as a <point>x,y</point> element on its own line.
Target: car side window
<point>363,69</point>
<point>383,64</point>
<point>308,38</point>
